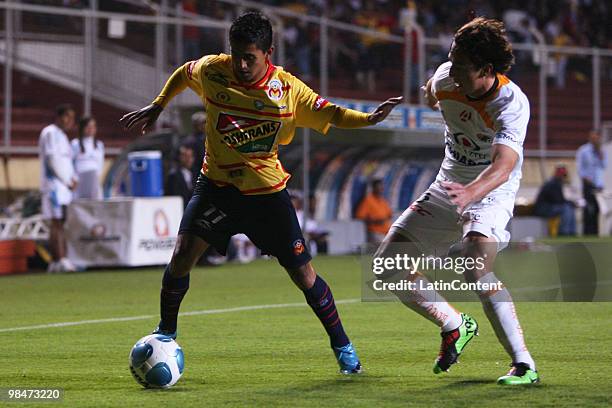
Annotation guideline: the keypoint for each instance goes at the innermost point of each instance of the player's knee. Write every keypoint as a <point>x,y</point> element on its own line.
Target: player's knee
<point>473,245</point>
<point>183,258</point>
<point>303,276</point>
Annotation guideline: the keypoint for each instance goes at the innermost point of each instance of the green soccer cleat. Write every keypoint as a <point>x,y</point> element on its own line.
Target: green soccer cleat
<point>454,342</point>
<point>519,374</point>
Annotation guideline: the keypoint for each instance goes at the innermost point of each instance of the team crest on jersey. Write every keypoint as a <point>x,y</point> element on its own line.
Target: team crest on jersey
<point>223,97</point>
<point>247,135</point>
<point>298,247</point>
<point>217,77</point>
<point>275,90</point>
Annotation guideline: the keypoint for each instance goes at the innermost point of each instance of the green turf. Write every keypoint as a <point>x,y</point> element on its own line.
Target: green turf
<point>280,357</point>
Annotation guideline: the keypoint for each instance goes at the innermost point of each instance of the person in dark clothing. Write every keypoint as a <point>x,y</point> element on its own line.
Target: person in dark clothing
<point>180,179</point>
<point>591,163</point>
<point>552,203</point>
<point>196,142</point>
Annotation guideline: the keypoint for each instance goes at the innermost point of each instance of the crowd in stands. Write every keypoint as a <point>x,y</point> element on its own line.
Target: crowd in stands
<point>363,58</point>
<point>564,23</point>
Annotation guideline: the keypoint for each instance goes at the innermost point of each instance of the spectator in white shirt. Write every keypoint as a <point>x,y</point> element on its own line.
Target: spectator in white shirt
<point>88,156</point>
<point>57,181</point>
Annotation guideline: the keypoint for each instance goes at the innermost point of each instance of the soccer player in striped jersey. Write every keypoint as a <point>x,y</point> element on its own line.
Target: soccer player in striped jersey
<point>472,198</point>
<point>252,107</point>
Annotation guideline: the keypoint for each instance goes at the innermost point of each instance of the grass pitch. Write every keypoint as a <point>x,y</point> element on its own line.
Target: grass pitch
<point>279,356</point>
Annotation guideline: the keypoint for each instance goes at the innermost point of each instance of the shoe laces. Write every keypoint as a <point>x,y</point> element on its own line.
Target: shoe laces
<point>448,339</point>
<point>518,369</point>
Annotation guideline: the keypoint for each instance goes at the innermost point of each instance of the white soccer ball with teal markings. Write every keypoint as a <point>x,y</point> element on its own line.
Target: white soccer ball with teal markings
<point>156,361</point>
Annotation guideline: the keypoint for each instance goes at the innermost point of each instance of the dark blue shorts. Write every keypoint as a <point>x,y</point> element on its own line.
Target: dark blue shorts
<point>269,220</point>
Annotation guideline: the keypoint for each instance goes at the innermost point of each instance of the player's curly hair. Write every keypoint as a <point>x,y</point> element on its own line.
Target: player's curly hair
<point>484,42</point>
<point>252,28</point>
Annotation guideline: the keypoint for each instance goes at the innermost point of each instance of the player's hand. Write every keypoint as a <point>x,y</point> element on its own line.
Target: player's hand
<point>383,110</point>
<point>147,115</point>
<point>430,100</point>
<point>73,184</point>
<point>459,195</point>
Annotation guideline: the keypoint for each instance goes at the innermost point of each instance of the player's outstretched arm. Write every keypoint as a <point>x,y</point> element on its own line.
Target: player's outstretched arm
<point>384,109</point>
<point>148,115</point>
<point>503,160</point>
<point>351,119</point>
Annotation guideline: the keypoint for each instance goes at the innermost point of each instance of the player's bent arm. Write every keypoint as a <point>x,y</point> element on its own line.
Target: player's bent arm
<point>503,160</point>
<point>430,99</point>
<point>351,119</point>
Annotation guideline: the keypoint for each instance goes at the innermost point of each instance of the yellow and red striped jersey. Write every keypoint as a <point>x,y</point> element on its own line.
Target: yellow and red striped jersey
<point>246,123</point>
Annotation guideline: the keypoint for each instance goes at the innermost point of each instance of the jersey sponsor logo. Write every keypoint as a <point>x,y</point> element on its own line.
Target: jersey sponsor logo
<point>319,103</point>
<point>275,90</point>
<point>223,97</point>
<point>261,105</point>
<point>463,140</point>
<point>475,159</point>
<point>247,135</point>
<point>298,247</point>
<point>217,77</point>
<point>465,116</point>
<point>505,136</point>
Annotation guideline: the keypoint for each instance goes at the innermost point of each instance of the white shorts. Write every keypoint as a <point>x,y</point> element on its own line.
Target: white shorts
<point>52,208</point>
<point>433,224</point>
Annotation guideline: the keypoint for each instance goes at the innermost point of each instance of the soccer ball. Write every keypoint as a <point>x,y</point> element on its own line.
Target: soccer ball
<point>156,361</point>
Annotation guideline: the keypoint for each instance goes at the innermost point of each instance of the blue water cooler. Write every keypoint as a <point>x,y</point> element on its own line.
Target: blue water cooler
<point>146,174</point>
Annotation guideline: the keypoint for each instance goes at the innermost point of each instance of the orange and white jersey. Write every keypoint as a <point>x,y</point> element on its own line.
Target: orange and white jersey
<point>473,126</point>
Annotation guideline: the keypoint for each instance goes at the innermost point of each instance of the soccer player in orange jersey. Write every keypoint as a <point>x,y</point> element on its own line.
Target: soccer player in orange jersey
<point>472,198</point>
<point>252,106</point>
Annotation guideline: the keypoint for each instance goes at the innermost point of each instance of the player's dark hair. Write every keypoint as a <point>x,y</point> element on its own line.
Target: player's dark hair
<point>82,125</point>
<point>62,109</point>
<point>252,28</point>
<point>484,41</point>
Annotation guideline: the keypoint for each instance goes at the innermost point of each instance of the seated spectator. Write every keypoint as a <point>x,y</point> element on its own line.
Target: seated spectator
<point>552,203</point>
<point>88,157</point>
<point>376,212</point>
<point>180,180</point>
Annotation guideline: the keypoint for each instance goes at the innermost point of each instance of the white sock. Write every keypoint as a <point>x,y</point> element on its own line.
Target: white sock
<point>500,310</point>
<point>430,304</point>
